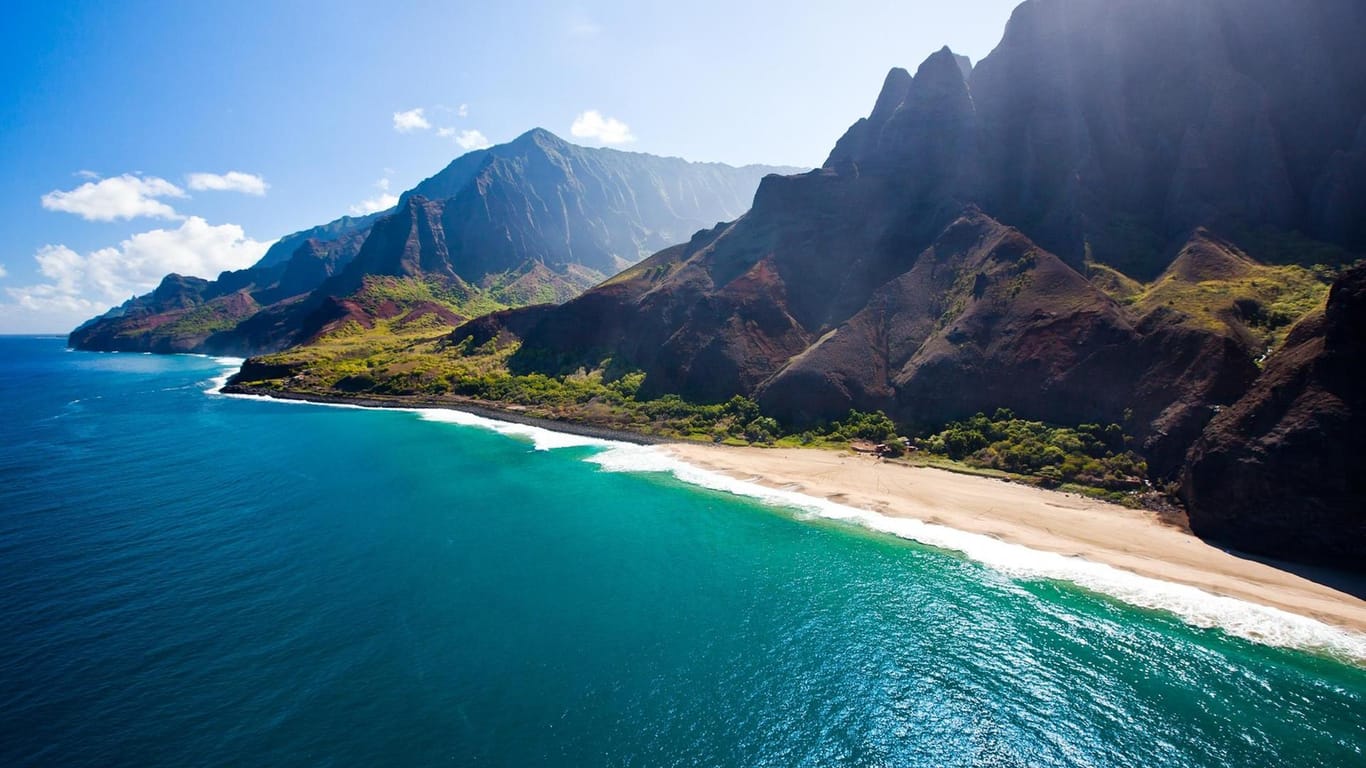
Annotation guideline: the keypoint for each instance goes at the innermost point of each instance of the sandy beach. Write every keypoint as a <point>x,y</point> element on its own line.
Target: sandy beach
<point>1132,540</point>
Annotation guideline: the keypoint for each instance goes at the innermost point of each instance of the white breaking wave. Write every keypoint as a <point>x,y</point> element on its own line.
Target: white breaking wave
<point>1250,621</point>
<point>543,439</point>
<point>230,365</point>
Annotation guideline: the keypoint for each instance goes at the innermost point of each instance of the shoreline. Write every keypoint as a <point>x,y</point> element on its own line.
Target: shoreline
<point>475,408</point>
<point>1134,541</point>
<point>1079,529</point>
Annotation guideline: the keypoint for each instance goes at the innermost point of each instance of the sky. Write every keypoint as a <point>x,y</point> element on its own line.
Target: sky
<point>141,138</point>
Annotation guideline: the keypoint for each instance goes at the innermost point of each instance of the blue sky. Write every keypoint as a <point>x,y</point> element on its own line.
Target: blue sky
<point>138,138</point>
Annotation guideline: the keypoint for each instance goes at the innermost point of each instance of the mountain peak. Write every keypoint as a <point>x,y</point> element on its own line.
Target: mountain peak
<point>893,92</point>
<point>540,137</point>
<point>942,66</point>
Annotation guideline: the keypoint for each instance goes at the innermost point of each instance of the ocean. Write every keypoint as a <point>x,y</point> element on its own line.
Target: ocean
<point>191,579</point>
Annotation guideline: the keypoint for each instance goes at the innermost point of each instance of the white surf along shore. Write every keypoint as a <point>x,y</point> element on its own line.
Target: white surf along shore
<point>1023,532</point>
<point>230,365</point>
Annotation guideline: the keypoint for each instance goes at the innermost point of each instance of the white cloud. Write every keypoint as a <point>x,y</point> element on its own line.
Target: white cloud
<point>84,174</point>
<point>78,287</point>
<point>608,130</point>
<point>232,181</point>
<point>412,120</point>
<point>121,197</point>
<point>381,202</point>
<point>463,110</point>
<point>469,140</point>
<point>3,271</point>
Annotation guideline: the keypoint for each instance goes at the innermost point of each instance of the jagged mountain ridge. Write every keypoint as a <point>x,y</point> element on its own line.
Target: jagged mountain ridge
<point>536,219</point>
<point>1109,128</point>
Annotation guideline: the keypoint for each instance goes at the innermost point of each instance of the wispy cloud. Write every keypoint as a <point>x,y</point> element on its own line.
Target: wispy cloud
<point>463,110</point>
<point>468,140</point>
<point>411,120</point>
<point>3,271</point>
<point>232,181</point>
<point>120,197</point>
<point>608,130</point>
<point>380,202</point>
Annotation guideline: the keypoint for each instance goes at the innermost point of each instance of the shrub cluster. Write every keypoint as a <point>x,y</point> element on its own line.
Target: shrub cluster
<point>1089,454</point>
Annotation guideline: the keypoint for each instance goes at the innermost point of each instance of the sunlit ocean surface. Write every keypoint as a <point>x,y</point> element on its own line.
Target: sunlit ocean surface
<point>189,579</point>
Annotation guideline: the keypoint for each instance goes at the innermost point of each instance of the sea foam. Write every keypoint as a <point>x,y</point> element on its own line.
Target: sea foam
<point>230,365</point>
<point>542,439</point>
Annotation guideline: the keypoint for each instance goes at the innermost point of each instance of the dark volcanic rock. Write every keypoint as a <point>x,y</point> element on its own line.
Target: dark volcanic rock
<point>1105,125</point>
<point>1280,472</point>
<point>1106,128</point>
<point>981,318</point>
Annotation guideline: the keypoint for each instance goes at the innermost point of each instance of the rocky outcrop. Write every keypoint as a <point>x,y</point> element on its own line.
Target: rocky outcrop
<point>1280,472</point>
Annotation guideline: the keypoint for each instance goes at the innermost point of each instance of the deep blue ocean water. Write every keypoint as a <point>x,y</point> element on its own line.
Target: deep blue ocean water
<point>188,579</point>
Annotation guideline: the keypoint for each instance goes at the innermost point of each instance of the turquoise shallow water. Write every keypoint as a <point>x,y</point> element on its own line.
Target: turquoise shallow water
<point>196,580</point>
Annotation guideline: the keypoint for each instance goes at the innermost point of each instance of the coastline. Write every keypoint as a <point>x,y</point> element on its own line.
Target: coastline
<point>409,403</point>
<point>1086,533</point>
<point>1071,525</point>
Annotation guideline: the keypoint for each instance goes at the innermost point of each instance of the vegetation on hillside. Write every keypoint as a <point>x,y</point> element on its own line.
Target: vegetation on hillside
<point>394,361</point>
<point>1264,300</point>
<point>203,320</point>
<point>409,292</point>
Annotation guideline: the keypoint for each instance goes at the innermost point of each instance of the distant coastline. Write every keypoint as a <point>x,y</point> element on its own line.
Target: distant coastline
<point>486,410</point>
